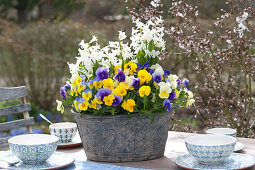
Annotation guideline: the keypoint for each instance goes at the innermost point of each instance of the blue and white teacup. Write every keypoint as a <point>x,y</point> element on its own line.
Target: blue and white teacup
<point>65,131</point>
<point>222,131</point>
<point>210,149</point>
<point>33,148</point>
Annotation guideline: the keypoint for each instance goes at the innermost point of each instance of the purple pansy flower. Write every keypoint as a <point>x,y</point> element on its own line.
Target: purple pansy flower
<point>103,92</point>
<point>67,86</point>
<point>179,82</point>
<point>79,100</point>
<point>84,83</point>
<point>117,100</point>
<point>87,91</point>
<point>63,91</point>
<point>185,82</point>
<point>102,73</point>
<point>157,77</point>
<point>151,71</point>
<point>136,83</point>
<point>140,66</point>
<point>166,73</point>
<point>120,76</point>
<point>167,105</point>
<point>171,96</point>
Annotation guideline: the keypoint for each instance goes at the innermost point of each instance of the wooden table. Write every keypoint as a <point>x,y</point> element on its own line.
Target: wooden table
<point>175,147</point>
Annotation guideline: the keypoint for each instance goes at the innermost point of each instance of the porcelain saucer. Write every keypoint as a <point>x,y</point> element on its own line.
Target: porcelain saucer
<point>235,161</point>
<point>58,160</point>
<point>239,147</point>
<point>76,141</point>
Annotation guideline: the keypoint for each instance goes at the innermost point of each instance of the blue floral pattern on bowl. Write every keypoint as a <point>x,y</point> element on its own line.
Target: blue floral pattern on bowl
<point>58,160</point>
<point>35,153</point>
<point>210,155</point>
<point>234,161</point>
<point>65,134</point>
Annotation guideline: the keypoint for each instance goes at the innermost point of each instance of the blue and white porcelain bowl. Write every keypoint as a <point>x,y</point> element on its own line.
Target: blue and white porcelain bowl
<point>210,149</point>
<point>65,131</point>
<point>222,131</point>
<point>33,148</point>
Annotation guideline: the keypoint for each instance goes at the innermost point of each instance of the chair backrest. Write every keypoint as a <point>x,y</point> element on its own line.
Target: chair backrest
<point>7,93</point>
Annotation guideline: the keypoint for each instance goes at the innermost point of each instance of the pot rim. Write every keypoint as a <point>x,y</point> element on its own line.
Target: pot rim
<point>163,114</point>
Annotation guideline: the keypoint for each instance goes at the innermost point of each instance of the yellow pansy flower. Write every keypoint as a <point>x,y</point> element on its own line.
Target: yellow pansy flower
<point>144,76</point>
<point>84,105</point>
<point>93,105</point>
<point>125,85</point>
<point>144,90</point>
<point>73,91</point>
<point>128,105</point>
<point>87,94</point>
<point>90,85</point>
<point>177,93</point>
<point>108,100</point>
<point>116,69</point>
<point>97,84</point>
<point>98,100</point>
<point>120,90</point>
<point>77,82</point>
<point>80,88</point>
<point>76,104</point>
<point>131,67</point>
<point>108,83</point>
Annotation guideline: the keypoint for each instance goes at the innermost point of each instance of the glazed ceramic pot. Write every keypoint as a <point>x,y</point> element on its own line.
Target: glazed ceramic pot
<point>33,148</point>
<point>210,149</point>
<point>120,138</point>
<point>65,131</point>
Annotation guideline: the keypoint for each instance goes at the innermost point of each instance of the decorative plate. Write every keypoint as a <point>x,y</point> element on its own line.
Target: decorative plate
<point>58,160</point>
<point>76,141</point>
<point>239,147</point>
<point>236,161</point>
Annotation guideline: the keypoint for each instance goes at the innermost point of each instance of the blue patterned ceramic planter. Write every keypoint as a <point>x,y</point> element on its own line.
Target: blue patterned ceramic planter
<point>33,148</point>
<point>65,131</point>
<point>210,149</point>
<point>121,138</point>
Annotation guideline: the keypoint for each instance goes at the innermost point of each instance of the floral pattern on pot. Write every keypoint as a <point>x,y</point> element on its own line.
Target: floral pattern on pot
<point>65,134</point>
<point>210,155</point>
<point>33,154</point>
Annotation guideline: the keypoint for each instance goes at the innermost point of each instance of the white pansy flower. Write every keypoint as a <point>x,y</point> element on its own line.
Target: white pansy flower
<point>159,70</point>
<point>189,102</point>
<point>190,94</point>
<point>126,72</point>
<point>174,84</point>
<point>60,106</point>
<point>155,66</point>
<point>165,89</point>
<point>173,78</point>
<point>129,80</point>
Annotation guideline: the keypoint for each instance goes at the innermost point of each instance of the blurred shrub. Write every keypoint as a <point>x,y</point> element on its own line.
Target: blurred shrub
<point>36,56</point>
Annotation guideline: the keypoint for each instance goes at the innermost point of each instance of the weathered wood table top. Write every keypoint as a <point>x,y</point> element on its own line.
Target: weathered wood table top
<point>175,147</point>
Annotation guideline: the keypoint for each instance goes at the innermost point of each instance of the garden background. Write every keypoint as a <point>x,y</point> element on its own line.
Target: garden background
<point>39,37</point>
